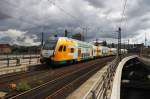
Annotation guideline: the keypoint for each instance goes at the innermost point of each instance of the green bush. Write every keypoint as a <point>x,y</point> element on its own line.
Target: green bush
<point>23,86</point>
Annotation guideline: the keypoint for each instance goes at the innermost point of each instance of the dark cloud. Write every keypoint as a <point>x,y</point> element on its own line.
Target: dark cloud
<point>138,9</point>
<point>5,39</point>
<point>3,16</point>
<point>96,3</point>
<point>100,16</point>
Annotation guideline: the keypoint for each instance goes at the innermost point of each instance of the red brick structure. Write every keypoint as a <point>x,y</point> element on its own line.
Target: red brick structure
<point>5,49</point>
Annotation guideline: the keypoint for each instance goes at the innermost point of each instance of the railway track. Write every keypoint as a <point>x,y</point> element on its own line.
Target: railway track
<point>6,81</point>
<point>14,76</point>
<point>70,87</point>
<point>64,81</point>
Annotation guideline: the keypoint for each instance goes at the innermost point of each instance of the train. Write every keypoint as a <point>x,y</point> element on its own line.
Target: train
<point>64,50</point>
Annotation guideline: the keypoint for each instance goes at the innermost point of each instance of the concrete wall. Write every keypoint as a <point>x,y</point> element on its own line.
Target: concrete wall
<point>117,79</point>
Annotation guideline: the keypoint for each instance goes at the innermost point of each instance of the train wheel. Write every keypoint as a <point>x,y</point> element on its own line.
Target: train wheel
<point>41,61</point>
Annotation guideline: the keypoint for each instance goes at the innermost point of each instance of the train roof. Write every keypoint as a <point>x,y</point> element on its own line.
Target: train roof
<point>78,41</point>
<point>74,40</point>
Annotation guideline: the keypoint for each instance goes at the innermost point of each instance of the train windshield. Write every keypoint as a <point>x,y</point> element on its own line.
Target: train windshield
<point>50,44</point>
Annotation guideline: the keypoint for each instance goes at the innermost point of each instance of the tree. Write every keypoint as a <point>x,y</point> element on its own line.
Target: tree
<point>66,33</point>
<point>112,45</point>
<point>104,43</point>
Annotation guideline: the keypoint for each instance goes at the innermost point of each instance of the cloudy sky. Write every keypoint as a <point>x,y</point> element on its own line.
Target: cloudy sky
<point>22,21</point>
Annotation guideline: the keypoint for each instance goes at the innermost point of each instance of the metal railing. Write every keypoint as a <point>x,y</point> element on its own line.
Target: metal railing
<point>102,88</point>
<point>145,55</point>
<point>18,60</point>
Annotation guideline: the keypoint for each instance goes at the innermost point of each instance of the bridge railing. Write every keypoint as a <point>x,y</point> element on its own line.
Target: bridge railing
<point>145,55</point>
<point>102,88</point>
<point>8,60</point>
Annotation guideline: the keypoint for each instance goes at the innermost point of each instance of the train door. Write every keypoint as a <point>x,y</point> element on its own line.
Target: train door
<point>79,54</point>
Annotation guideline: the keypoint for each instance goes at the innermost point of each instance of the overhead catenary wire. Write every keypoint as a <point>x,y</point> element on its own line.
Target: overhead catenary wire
<point>64,11</point>
<point>123,21</point>
<point>81,25</point>
<point>115,25</point>
<point>24,21</point>
<point>76,18</point>
<point>123,12</point>
<point>60,8</point>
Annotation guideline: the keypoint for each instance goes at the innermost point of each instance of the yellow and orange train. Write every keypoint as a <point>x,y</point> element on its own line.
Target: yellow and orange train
<point>63,50</point>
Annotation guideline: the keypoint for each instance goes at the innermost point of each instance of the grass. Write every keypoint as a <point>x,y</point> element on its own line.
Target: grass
<point>23,86</point>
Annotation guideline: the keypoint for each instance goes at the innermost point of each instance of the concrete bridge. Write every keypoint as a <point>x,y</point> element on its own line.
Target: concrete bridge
<point>107,82</point>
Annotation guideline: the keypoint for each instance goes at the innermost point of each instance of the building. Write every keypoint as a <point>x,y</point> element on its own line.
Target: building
<point>5,49</point>
<point>78,36</point>
<point>97,42</point>
<point>146,51</point>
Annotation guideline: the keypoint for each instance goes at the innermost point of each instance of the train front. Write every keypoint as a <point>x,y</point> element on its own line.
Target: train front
<point>47,51</point>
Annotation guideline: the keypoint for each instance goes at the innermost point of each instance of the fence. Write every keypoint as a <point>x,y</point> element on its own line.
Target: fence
<point>102,88</point>
<point>17,60</point>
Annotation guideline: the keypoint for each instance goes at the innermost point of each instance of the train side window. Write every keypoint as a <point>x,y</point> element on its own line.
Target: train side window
<point>60,48</point>
<point>72,50</point>
<point>64,48</point>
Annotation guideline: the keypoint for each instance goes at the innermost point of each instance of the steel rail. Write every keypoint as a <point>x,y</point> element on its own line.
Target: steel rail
<point>49,82</point>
